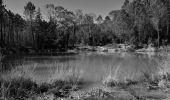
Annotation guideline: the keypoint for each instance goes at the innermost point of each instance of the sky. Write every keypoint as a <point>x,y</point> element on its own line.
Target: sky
<point>99,7</point>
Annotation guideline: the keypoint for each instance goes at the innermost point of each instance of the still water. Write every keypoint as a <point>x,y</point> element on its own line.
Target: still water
<point>91,67</point>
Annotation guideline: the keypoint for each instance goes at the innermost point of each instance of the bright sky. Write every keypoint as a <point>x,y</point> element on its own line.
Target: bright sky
<point>102,7</point>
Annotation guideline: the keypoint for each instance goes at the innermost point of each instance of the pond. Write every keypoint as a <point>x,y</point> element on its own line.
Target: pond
<point>91,67</point>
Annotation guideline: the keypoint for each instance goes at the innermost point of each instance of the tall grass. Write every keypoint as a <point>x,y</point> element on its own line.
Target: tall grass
<point>159,78</point>
<point>57,71</point>
<point>18,88</point>
<point>111,80</point>
<point>20,82</point>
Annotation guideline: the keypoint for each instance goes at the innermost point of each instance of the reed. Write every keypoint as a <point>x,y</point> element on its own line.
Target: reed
<point>20,84</point>
<point>157,80</point>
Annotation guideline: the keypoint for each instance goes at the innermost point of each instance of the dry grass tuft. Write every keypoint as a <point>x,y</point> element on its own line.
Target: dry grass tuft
<point>19,83</point>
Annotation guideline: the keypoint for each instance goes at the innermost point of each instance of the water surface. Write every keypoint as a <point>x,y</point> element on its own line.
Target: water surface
<point>92,67</point>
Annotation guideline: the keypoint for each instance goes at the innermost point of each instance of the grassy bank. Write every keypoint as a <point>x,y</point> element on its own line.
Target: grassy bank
<point>23,89</point>
<point>67,82</point>
<point>18,85</point>
<point>147,87</point>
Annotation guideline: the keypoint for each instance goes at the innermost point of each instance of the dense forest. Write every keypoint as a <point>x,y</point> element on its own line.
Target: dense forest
<point>138,22</point>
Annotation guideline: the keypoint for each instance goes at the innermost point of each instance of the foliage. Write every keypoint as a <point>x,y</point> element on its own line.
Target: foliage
<point>138,22</point>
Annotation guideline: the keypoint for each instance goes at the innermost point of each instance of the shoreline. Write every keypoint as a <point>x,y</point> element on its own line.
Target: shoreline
<point>142,89</point>
<point>110,48</point>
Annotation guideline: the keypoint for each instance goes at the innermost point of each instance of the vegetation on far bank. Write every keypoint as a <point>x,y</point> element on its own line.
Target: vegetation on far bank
<point>138,22</point>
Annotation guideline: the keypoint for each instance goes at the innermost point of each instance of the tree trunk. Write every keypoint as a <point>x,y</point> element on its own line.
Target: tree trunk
<point>168,32</point>
<point>8,27</point>
<point>17,36</point>
<point>32,34</point>
<point>139,33</point>
<point>1,34</point>
<point>12,33</point>
<point>74,35</point>
<point>158,37</point>
<point>67,38</point>
<point>4,38</point>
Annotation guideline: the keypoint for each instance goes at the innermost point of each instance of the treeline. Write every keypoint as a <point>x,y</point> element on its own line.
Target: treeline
<point>138,22</point>
<point>143,22</point>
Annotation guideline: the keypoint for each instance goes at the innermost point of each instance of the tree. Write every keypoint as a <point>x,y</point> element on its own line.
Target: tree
<point>1,22</point>
<point>158,11</point>
<point>99,19</point>
<point>126,3</point>
<point>38,28</point>
<point>38,17</point>
<point>113,14</point>
<point>107,18</point>
<point>19,24</point>
<point>50,11</point>
<point>66,25</point>
<point>79,16</point>
<point>137,11</point>
<point>166,3</point>
<point>29,13</point>
<point>66,21</point>
<point>87,29</point>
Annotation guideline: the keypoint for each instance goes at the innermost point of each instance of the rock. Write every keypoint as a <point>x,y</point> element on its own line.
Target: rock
<point>122,46</point>
<point>111,50</point>
<point>130,49</point>
<point>102,49</point>
<point>151,49</point>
